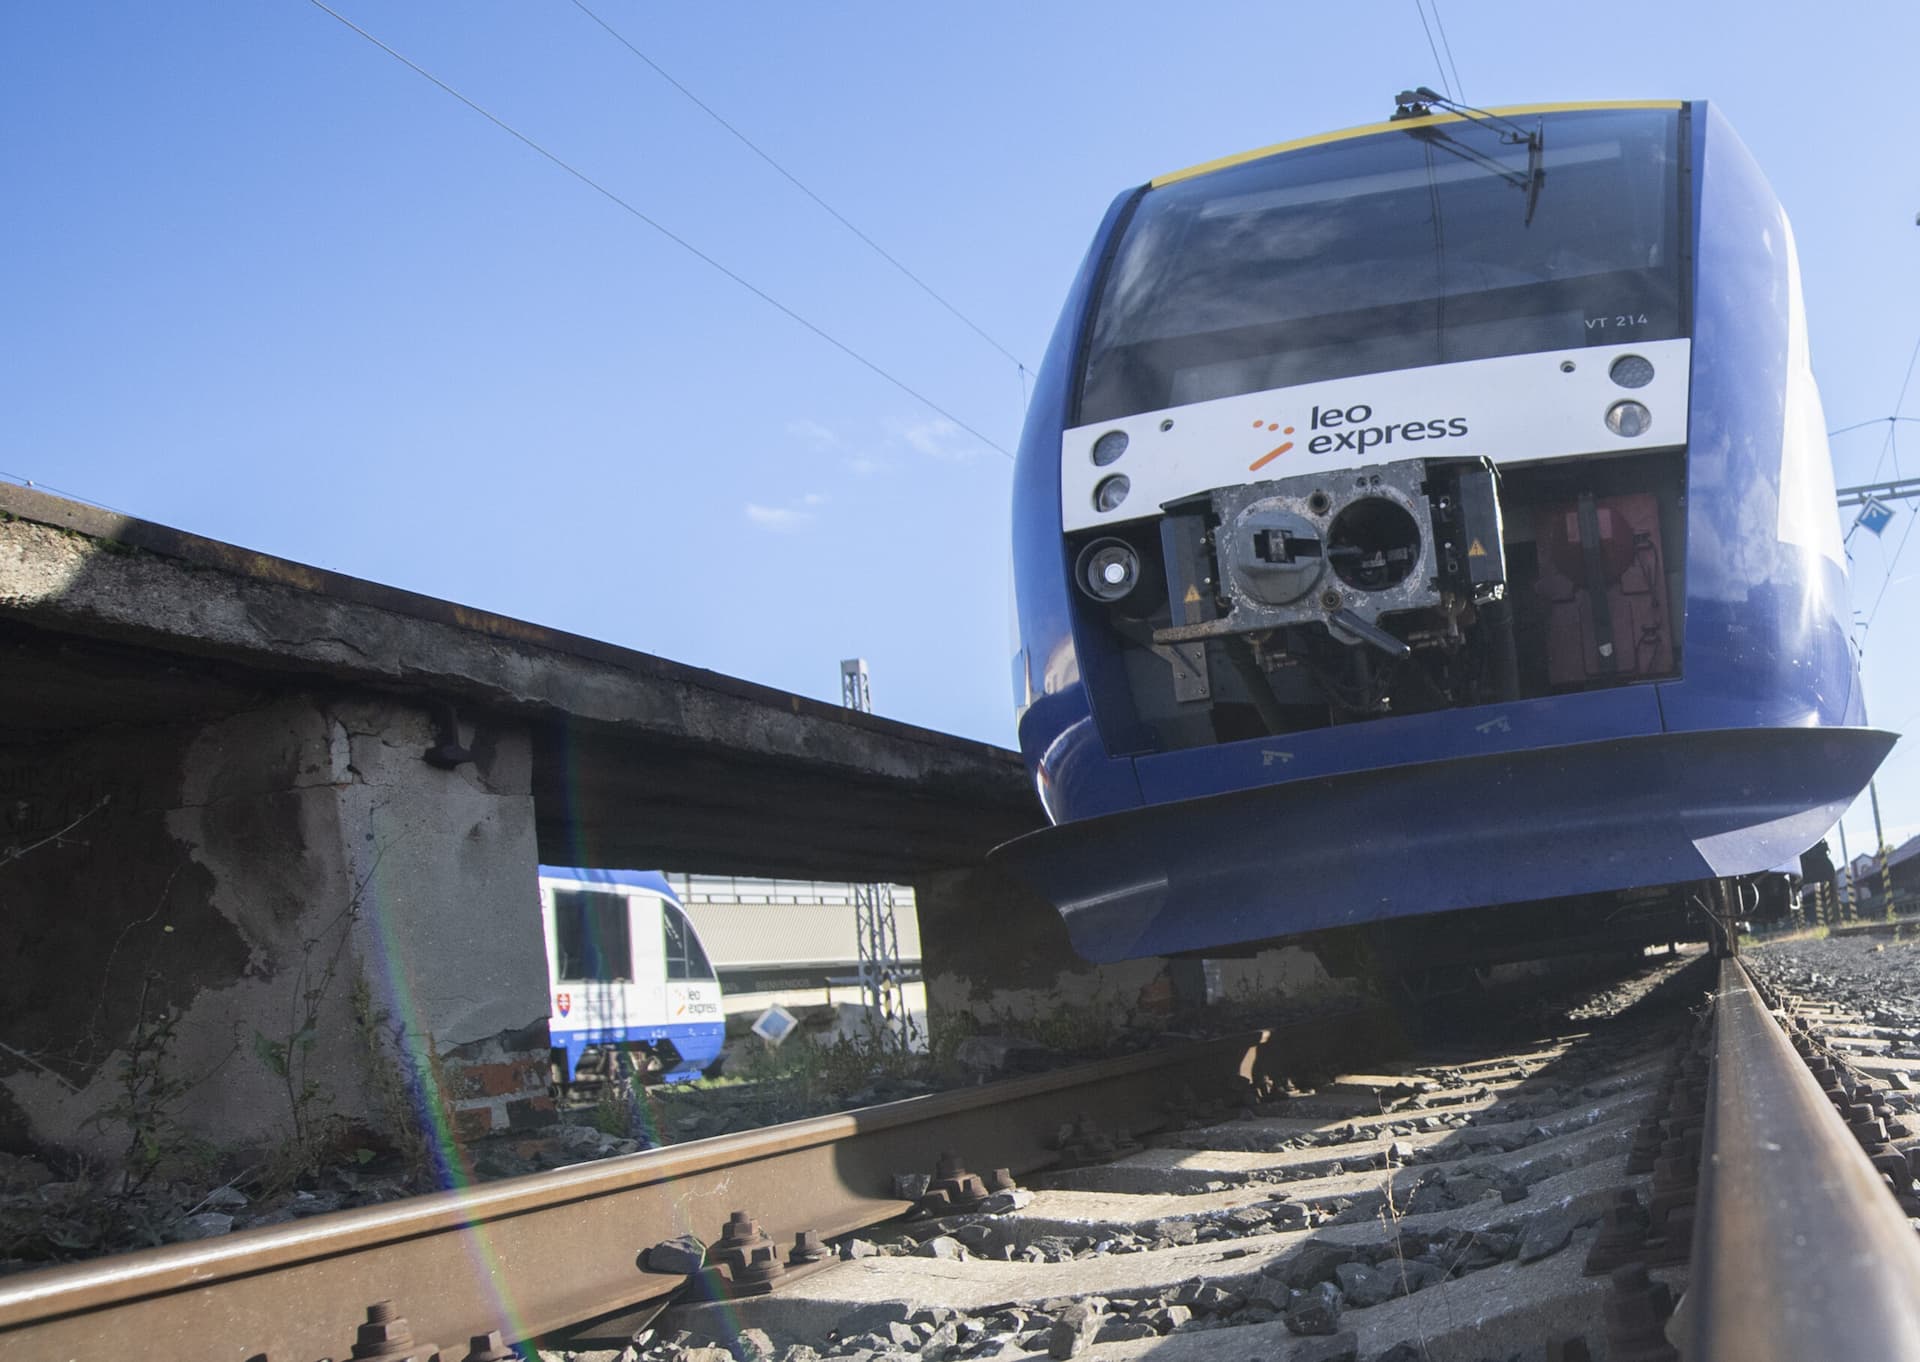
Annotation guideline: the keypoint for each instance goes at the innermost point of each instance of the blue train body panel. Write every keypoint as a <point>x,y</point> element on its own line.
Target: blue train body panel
<point>696,1045</point>
<point>1726,738</point>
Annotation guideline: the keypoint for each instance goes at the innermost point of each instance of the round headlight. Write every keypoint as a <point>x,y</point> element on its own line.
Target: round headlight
<point>1109,447</point>
<point>1112,491</point>
<point>1628,419</point>
<point>1631,371</point>
<point>1108,569</point>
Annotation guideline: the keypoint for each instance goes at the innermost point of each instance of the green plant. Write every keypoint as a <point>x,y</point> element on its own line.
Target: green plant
<point>409,1088</point>
<point>148,1093</point>
<point>944,1035</point>
<point>314,1130</point>
<point>1070,1027</point>
<point>620,1107</point>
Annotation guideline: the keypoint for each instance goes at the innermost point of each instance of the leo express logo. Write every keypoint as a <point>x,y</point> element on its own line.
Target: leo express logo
<point>1348,429</point>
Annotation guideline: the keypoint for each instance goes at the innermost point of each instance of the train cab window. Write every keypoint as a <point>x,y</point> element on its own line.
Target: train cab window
<point>685,958</point>
<point>1444,242</point>
<point>591,936</point>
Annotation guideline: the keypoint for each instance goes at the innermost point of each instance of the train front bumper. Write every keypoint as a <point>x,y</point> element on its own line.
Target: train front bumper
<point>1399,841</point>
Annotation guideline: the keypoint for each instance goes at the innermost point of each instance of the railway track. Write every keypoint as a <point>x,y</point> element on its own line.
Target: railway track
<point>1531,1188</point>
<point>557,1256</point>
<point>1445,1203</point>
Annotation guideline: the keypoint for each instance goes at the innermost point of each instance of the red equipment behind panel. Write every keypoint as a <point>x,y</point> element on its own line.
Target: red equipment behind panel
<point>1621,569</point>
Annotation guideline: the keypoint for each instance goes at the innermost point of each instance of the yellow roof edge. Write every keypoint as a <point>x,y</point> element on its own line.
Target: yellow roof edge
<point>1369,129</point>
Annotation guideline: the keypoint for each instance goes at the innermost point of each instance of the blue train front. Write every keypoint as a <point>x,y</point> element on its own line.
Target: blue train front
<point>1431,516</point>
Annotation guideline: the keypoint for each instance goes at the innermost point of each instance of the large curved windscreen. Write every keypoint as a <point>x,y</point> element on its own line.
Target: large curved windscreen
<point>1445,242</point>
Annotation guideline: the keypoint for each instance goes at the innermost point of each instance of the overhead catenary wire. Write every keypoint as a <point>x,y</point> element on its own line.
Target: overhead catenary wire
<point>795,181</point>
<point>1878,420</point>
<point>665,231</point>
<point>1459,86</point>
<point>1898,402</point>
<point>1891,446</point>
<point>1887,580</point>
<point>1440,66</point>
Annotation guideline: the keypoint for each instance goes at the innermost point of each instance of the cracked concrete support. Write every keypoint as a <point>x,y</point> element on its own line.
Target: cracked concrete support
<point>321,914</point>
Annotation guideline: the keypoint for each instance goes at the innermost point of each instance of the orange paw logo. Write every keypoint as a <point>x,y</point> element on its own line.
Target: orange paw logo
<point>1273,453</point>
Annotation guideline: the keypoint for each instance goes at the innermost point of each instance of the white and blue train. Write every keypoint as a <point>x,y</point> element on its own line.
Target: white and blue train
<point>627,975</point>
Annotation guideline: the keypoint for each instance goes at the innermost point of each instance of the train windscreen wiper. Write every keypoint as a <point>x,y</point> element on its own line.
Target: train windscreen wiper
<point>1420,102</point>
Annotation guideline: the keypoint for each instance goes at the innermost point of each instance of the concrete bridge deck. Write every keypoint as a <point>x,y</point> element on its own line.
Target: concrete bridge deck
<point>300,814</point>
<point>636,760</point>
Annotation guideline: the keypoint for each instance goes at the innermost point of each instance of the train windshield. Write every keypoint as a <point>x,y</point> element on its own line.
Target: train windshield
<point>590,935</point>
<point>1399,250</point>
<point>686,958</point>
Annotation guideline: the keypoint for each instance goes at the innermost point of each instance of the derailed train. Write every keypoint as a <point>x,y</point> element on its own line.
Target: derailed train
<point>1431,516</point>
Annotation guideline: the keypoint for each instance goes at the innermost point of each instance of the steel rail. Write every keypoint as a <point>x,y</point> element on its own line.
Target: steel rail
<point>538,1256</point>
<point>1800,1251</point>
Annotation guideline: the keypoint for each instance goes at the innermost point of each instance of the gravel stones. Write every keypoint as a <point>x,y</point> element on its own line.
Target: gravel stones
<point>1249,1218</point>
<point>1167,1318</point>
<point>1363,1286</point>
<point>753,1345</point>
<point>1463,1189</point>
<point>1287,1215</point>
<point>1314,1311</point>
<point>1545,1234</point>
<point>1073,1332</point>
<point>981,1237</point>
<point>1203,1298</point>
<point>1315,1292</point>
<point>1120,1330</point>
<point>1314,1263</point>
<point>684,1253</point>
<point>1001,1203</point>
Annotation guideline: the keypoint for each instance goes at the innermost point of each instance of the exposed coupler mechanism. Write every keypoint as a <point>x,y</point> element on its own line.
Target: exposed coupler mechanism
<point>1339,549</point>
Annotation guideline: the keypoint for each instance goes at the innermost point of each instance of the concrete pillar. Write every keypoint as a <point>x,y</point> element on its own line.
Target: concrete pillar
<point>997,957</point>
<point>308,926</point>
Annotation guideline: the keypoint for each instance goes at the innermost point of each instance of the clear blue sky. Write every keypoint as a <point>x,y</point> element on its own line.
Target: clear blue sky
<point>263,283</point>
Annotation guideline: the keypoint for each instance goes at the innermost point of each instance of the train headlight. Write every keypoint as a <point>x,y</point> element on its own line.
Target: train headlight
<point>1109,447</point>
<point>1108,569</point>
<point>1626,419</point>
<point>1631,371</point>
<point>1112,491</point>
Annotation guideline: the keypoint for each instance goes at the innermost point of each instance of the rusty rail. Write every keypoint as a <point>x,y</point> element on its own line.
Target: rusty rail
<point>1802,1252</point>
<point>543,1256</point>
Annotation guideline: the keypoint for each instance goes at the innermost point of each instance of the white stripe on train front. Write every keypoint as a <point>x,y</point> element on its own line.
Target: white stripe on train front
<point>1511,409</point>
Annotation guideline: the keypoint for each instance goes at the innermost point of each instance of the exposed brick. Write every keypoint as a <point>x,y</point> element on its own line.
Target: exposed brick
<point>472,1123</point>
<point>492,1080</point>
<point>531,1113</point>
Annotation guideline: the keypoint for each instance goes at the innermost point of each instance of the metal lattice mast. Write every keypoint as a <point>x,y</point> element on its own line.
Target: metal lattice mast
<point>888,1020</point>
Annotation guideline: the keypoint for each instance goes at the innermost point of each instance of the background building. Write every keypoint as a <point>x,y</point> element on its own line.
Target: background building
<point>791,942</point>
